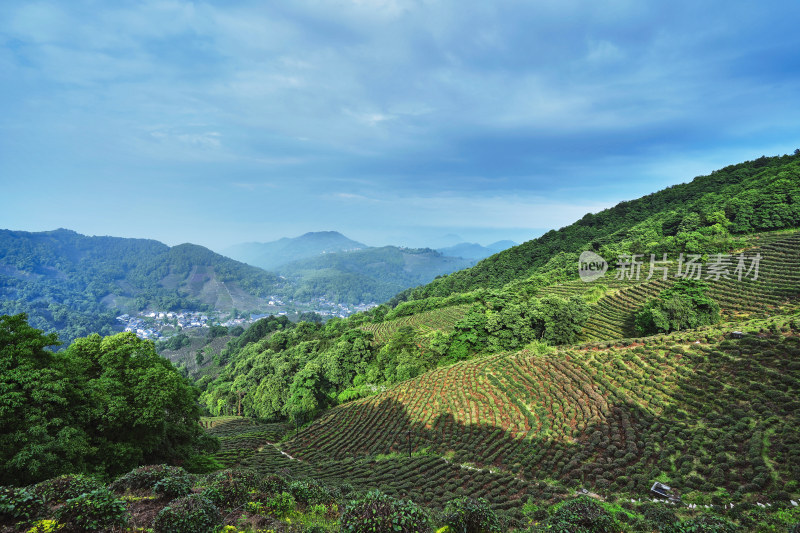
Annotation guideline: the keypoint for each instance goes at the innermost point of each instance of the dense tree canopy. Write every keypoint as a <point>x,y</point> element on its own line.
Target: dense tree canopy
<point>102,406</point>
<point>684,305</point>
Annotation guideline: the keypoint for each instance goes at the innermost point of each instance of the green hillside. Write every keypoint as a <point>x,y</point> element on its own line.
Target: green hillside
<point>75,285</point>
<point>755,196</point>
<point>702,416</point>
<point>557,401</point>
<point>515,379</point>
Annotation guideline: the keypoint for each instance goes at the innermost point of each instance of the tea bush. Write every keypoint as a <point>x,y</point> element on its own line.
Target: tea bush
<point>172,487</point>
<point>62,488</point>
<point>376,513</point>
<point>145,477</point>
<point>581,515</point>
<point>466,515</point>
<point>91,511</point>
<point>20,504</point>
<point>190,514</point>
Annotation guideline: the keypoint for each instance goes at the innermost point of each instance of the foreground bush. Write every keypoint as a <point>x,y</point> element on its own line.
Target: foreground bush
<point>92,511</point>
<point>277,505</point>
<point>146,477</point>
<point>465,515</point>
<point>378,513</point>
<point>230,488</point>
<point>20,504</point>
<point>708,524</point>
<point>174,486</point>
<point>581,515</point>
<point>190,514</point>
<point>62,488</point>
<point>311,492</point>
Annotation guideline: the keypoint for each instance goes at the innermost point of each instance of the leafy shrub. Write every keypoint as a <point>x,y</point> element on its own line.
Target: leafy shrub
<point>202,464</point>
<point>174,486</point>
<point>708,524</point>
<point>190,514</point>
<point>466,515</point>
<point>534,512</point>
<point>662,518</point>
<point>581,515</point>
<point>278,505</point>
<point>62,488</point>
<point>377,513</point>
<point>145,477</point>
<point>45,526</point>
<point>230,488</point>
<point>310,492</point>
<point>273,483</point>
<point>99,509</point>
<point>20,503</point>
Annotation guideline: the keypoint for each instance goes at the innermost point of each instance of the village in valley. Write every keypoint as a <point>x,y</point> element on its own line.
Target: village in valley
<point>156,325</point>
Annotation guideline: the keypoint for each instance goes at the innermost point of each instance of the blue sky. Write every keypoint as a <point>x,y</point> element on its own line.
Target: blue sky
<point>391,121</point>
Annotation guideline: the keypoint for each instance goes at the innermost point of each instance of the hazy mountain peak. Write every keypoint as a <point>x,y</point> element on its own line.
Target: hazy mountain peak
<point>271,255</point>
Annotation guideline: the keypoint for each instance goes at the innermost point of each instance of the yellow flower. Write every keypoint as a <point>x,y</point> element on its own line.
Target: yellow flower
<point>45,526</point>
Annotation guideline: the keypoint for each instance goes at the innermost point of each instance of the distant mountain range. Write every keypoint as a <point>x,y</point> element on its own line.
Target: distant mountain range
<point>368,275</point>
<point>472,250</point>
<point>271,255</point>
<point>328,264</point>
<point>75,284</point>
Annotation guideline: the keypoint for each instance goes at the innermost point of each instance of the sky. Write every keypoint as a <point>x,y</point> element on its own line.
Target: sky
<point>391,121</point>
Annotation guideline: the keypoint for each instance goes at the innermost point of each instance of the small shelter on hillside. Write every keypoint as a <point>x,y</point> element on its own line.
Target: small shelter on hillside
<point>737,335</point>
<point>665,491</point>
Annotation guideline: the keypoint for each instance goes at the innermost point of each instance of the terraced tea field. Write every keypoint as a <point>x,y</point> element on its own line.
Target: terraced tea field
<point>696,409</point>
<point>437,319</point>
<point>778,283</point>
<point>241,437</point>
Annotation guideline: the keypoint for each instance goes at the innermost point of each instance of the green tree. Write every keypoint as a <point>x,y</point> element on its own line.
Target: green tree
<point>139,409</point>
<point>39,438</point>
<point>682,306</point>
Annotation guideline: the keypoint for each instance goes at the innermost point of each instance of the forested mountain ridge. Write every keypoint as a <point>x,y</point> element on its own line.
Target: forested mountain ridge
<point>74,284</point>
<point>758,195</point>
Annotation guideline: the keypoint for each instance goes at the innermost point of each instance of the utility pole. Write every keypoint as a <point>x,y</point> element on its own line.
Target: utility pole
<point>408,440</point>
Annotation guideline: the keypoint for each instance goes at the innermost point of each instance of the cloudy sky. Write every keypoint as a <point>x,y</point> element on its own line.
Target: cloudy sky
<point>390,121</point>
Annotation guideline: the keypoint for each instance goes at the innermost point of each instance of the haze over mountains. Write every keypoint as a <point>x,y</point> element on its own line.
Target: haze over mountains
<point>327,264</point>
<point>270,255</point>
<point>274,254</point>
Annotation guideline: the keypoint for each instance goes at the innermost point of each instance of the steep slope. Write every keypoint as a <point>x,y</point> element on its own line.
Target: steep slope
<point>759,195</point>
<point>71,283</point>
<point>701,415</point>
<point>454,393</point>
<point>273,254</point>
